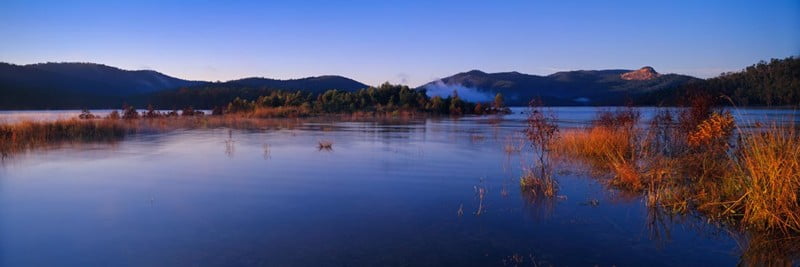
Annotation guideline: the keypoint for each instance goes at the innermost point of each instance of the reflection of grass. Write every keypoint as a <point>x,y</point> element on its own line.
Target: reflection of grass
<point>769,250</point>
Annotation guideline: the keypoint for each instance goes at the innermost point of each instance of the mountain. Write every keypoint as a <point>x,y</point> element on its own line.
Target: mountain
<point>72,85</point>
<point>111,80</point>
<point>317,84</point>
<point>76,85</point>
<point>582,87</point>
<point>88,78</point>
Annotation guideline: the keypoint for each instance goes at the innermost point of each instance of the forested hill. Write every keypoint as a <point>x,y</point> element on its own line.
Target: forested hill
<point>79,85</point>
<point>89,85</point>
<point>776,82</point>
<point>773,83</point>
<point>74,85</point>
<point>570,88</point>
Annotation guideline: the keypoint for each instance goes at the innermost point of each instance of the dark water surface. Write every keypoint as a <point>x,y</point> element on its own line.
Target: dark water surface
<point>388,193</point>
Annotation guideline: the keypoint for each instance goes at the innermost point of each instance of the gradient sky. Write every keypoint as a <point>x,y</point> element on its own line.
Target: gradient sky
<point>410,42</point>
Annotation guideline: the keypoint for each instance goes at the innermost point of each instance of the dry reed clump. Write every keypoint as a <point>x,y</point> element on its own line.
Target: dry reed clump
<point>769,161</point>
<point>279,112</point>
<point>543,185</point>
<point>714,131</point>
<point>28,134</point>
<point>692,163</point>
<point>610,145</point>
<point>626,175</point>
<point>604,150</point>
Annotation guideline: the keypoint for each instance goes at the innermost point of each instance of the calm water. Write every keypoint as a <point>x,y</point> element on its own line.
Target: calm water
<point>402,193</point>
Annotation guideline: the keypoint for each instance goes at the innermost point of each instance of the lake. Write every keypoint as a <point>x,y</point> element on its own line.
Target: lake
<point>420,192</point>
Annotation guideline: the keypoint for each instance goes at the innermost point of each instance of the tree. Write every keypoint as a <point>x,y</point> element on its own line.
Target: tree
<point>499,103</point>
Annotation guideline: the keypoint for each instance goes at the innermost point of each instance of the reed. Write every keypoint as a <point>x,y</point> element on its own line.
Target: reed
<point>279,112</point>
<point>28,133</point>
<point>769,163</point>
<point>541,184</point>
<point>696,163</point>
<point>604,149</point>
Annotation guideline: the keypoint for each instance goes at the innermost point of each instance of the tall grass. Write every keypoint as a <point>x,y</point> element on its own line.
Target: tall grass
<point>280,112</point>
<point>609,145</point>
<point>25,135</point>
<point>30,133</point>
<point>769,162</point>
<point>698,162</point>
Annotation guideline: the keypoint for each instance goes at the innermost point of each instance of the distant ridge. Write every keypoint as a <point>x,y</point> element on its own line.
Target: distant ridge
<point>77,85</point>
<point>316,84</point>
<point>581,87</point>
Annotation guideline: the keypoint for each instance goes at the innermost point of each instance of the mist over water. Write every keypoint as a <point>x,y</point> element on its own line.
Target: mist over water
<point>439,88</point>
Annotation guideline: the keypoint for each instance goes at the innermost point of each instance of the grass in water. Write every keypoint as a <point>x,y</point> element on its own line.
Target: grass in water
<point>699,162</point>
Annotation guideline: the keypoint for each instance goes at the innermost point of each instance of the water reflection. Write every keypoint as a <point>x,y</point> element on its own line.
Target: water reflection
<point>267,155</point>
<point>230,147</point>
<point>386,196</point>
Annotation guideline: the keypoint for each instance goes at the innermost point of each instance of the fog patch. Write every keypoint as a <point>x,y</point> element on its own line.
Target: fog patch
<point>439,88</point>
<point>584,100</point>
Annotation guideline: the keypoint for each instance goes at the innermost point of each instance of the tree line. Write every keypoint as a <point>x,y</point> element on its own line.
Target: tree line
<point>384,98</point>
<point>773,83</point>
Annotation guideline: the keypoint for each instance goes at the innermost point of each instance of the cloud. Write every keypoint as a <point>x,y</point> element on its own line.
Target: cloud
<point>439,88</point>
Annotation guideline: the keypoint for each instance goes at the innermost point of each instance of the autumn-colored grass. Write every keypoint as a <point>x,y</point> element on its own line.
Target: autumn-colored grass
<point>769,163</point>
<point>604,149</point>
<point>24,135</point>
<point>29,133</point>
<point>280,112</point>
<point>753,182</point>
<point>540,184</point>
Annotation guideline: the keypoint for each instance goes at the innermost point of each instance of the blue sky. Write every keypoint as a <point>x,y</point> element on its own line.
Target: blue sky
<point>410,42</point>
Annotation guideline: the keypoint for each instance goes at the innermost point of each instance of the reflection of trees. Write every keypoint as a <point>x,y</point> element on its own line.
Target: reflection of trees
<point>267,152</point>
<point>229,144</point>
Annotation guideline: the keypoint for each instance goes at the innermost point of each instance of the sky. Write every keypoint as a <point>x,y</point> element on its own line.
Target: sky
<point>409,42</point>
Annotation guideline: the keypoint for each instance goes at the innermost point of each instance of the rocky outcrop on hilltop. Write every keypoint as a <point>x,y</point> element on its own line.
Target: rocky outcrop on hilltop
<point>645,73</point>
